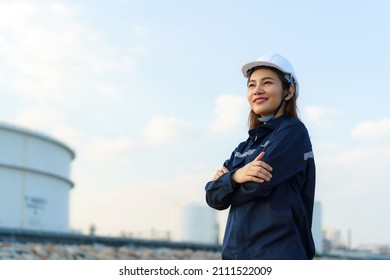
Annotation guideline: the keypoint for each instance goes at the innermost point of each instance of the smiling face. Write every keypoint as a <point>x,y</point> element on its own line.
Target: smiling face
<point>265,92</point>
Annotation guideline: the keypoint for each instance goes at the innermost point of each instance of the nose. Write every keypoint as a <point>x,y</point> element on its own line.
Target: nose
<point>258,89</point>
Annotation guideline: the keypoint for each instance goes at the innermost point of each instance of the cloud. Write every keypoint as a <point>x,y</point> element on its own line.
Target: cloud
<point>373,130</point>
<point>162,130</point>
<point>230,110</point>
<point>62,10</point>
<point>107,90</point>
<point>140,30</point>
<point>354,175</point>
<point>353,186</point>
<point>356,167</point>
<point>321,116</point>
<point>118,147</point>
<point>38,39</point>
<point>45,118</point>
<point>140,50</point>
<point>52,52</point>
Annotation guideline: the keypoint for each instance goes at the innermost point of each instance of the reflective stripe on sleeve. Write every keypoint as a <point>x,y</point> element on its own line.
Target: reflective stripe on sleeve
<point>308,155</point>
<point>247,153</point>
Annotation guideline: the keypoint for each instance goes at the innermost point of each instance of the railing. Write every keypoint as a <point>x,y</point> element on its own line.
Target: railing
<point>24,236</point>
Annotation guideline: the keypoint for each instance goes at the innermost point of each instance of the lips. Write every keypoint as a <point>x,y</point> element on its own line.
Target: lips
<point>259,100</point>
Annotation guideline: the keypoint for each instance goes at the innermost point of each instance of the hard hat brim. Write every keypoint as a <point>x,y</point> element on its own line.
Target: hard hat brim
<point>245,69</point>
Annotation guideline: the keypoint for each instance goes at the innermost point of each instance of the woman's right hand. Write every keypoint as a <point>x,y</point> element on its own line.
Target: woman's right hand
<point>256,171</point>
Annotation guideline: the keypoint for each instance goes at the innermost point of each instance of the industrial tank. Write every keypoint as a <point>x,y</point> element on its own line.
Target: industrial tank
<point>34,180</point>
<point>198,224</point>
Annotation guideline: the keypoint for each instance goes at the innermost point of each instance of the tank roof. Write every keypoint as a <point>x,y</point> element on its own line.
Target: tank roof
<point>39,135</point>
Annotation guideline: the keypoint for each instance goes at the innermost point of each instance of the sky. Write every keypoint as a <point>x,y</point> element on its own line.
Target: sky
<point>150,96</point>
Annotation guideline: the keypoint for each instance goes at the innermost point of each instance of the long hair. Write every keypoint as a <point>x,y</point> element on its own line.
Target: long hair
<point>290,106</point>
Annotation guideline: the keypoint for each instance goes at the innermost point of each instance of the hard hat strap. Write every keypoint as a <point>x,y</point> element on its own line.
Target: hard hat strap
<point>270,117</point>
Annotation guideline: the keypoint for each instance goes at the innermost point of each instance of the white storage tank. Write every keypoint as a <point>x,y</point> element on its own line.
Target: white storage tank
<point>34,180</point>
<point>198,224</point>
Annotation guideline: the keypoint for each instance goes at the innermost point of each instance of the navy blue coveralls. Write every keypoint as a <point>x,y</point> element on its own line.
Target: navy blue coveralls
<point>271,220</point>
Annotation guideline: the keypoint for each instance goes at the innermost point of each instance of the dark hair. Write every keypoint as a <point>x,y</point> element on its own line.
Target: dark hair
<point>290,106</point>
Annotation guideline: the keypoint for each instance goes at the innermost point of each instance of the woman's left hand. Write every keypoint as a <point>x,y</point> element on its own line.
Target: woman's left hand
<point>220,172</point>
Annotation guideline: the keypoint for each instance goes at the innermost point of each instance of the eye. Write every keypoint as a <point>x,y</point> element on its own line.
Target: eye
<point>251,85</point>
<point>268,82</point>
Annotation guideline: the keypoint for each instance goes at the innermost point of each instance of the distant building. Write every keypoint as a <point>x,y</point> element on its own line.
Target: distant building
<point>34,180</point>
<point>198,224</point>
<point>333,240</point>
<point>317,227</point>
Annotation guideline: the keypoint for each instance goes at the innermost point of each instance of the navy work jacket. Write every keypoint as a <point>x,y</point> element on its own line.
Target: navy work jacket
<point>271,220</point>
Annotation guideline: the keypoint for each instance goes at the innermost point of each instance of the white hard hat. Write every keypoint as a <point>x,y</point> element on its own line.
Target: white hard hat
<point>277,61</point>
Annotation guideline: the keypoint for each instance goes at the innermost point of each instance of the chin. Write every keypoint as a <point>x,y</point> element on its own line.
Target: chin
<point>261,113</point>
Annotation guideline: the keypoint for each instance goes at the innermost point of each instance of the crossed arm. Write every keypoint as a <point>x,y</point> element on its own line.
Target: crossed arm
<point>285,156</point>
<point>255,171</point>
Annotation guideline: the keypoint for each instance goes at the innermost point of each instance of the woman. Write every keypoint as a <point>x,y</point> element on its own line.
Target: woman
<point>269,180</point>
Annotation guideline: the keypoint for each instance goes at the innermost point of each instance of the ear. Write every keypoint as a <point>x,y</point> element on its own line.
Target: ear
<point>290,93</point>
